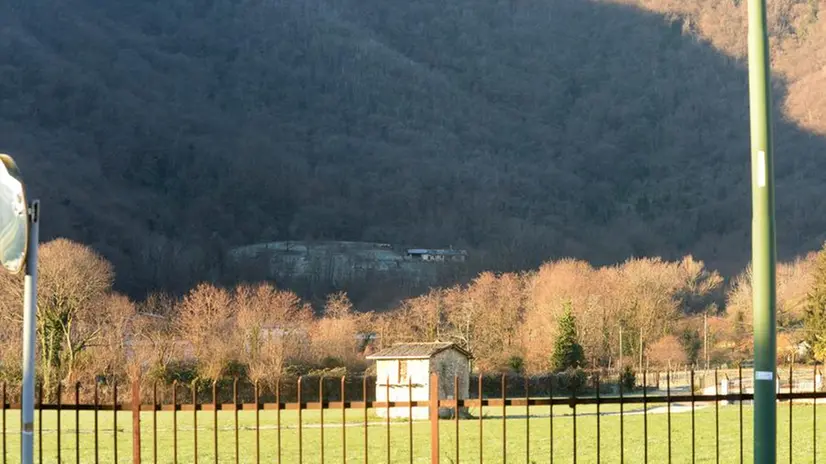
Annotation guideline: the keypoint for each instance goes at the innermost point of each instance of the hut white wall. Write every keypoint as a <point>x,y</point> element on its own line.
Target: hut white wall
<point>418,371</point>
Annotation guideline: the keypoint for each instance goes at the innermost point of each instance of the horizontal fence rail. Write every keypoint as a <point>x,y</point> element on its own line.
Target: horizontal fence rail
<point>599,417</point>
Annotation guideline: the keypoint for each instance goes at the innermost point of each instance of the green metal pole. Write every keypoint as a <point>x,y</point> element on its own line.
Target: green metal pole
<point>763,239</point>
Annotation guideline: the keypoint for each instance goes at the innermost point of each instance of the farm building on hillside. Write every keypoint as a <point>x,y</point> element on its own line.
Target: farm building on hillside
<point>422,254</point>
<point>413,363</point>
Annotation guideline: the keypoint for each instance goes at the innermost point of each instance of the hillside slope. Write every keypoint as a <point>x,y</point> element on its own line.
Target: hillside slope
<point>163,132</point>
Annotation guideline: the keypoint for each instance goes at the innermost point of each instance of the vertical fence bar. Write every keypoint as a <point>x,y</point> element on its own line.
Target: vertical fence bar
<point>668,409</point>
<point>814,415</point>
<point>4,423</point>
<point>136,421</point>
<point>598,420</point>
<point>344,421</point>
<point>455,413</point>
<point>278,417</point>
<point>215,420</point>
<point>551,420</point>
<point>622,417</point>
<point>195,421</point>
<point>693,438</point>
<point>235,413</point>
<point>257,394</point>
<point>40,423</point>
<point>573,436</point>
<point>59,410</point>
<point>364,398</point>
<point>115,418</point>
<point>481,430</point>
<point>527,421</point>
<point>740,375</point>
<point>433,409</point>
<point>410,416</point>
<point>77,422</point>
<point>645,415</point>
<point>97,408</point>
<point>504,419</point>
<point>321,415</point>
<point>791,402</point>
<point>387,410</point>
<point>155,422</point>
<point>300,432</point>
<point>716,417</point>
<point>175,422</point>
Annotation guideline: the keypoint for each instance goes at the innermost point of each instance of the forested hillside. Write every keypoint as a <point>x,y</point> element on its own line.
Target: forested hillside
<point>163,132</point>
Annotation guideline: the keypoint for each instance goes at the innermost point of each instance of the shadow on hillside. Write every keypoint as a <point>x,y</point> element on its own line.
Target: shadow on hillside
<point>531,130</point>
<point>647,122</point>
<point>640,128</point>
<point>606,131</point>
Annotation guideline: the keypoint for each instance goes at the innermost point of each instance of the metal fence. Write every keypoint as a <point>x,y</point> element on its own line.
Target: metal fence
<point>503,418</point>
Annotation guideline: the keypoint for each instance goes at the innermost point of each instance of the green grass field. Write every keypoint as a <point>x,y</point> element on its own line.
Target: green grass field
<point>517,441</point>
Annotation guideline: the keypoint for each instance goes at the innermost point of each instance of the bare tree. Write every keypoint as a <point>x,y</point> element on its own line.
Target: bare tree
<point>794,281</point>
<point>335,336</point>
<point>587,289</point>
<point>111,353</point>
<point>699,288</point>
<point>666,352</point>
<point>11,327</point>
<point>157,334</point>
<point>648,292</point>
<point>74,292</point>
<point>205,321</point>
<point>461,316</point>
<point>84,328</point>
<point>271,326</point>
<point>11,343</point>
<point>140,339</point>
<point>498,310</point>
<point>419,319</point>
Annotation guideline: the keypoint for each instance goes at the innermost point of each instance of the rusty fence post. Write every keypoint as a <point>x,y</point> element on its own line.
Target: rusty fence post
<point>433,405</point>
<point>136,421</point>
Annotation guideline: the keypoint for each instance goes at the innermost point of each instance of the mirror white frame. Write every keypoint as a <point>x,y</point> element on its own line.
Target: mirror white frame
<point>14,217</point>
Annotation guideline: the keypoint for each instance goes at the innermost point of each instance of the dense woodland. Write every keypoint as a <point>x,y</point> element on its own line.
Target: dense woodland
<point>161,133</point>
<point>563,317</point>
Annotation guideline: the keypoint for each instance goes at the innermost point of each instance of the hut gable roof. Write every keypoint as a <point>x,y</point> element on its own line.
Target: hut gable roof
<point>416,350</point>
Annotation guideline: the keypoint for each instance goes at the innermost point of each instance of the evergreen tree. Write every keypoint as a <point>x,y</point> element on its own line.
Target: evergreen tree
<point>815,319</point>
<point>568,353</point>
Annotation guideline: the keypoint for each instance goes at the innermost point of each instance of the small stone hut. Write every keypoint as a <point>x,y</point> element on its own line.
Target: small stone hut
<point>413,363</point>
